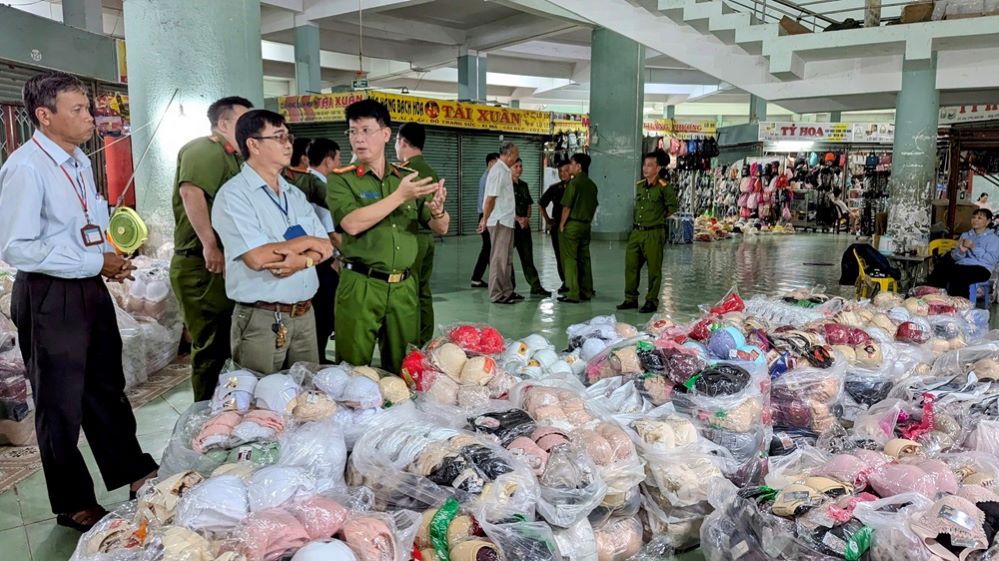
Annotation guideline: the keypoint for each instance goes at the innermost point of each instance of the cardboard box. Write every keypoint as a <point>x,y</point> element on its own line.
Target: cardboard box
<point>789,26</point>
<point>915,13</point>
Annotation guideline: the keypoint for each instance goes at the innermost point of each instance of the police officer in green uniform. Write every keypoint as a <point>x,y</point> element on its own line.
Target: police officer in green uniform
<point>203,166</point>
<point>316,159</point>
<point>655,200</point>
<point>378,209</point>
<point>409,144</point>
<point>522,240</point>
<point>579,205</point>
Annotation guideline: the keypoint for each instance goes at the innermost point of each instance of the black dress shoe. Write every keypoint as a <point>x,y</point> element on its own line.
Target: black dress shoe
<point>516,297</point>
<point>648,308</point>
<point>627,306</point>
<point>506,301</point>
<point>568,300</point>
<point>541,292</point>
<point>563,289</point>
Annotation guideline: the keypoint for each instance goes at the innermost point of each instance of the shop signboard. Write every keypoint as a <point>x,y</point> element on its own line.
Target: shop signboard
<point>317,108</point>
<point>775,131</point>
<point>969,113</point>
<point>447,113</point>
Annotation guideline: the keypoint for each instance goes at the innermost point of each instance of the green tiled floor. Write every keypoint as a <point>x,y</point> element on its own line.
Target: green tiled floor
<point>693,275</point>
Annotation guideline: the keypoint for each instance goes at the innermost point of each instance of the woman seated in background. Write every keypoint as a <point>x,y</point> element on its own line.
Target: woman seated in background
<point>972,261</point>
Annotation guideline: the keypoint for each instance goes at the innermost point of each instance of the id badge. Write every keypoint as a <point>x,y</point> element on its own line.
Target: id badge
<point>92,235</point>
<point>293,232</point>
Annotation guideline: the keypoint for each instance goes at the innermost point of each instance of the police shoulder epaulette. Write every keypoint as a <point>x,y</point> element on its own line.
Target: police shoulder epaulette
<point>640,181</point>
<point>401,167</point>
<point>229,148</point>
<point>345,169</point>
<point>663,182</point>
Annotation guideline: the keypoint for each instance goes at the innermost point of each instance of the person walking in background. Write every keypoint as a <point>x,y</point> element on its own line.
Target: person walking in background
<point>484,252</point>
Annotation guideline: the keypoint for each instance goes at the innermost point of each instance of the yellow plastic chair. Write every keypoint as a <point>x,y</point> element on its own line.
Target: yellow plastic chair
<point>868,286</point>
<point>941,247</point>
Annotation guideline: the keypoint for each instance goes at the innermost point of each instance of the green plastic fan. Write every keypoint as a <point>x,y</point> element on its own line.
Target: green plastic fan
<point>126,230</point>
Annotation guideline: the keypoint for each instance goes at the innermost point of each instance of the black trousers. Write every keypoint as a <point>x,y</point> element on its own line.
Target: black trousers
<point>957,279</point>
<point>558,252</point>
<point>324,302</point>
<point>69,338</point>
<point>483,261</point>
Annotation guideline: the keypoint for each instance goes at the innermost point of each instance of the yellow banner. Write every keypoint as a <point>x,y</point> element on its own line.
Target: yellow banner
<point>317,108</point>
<point>680,129</point>
<point>445,113</point>
<point>568,122</point>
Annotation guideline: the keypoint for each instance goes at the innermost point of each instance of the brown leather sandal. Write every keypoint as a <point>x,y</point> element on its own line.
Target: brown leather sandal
<point>84,520</point>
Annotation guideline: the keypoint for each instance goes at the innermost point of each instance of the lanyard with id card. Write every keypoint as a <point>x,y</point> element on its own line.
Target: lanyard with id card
<point>294,230</point>
<point>91,233</point>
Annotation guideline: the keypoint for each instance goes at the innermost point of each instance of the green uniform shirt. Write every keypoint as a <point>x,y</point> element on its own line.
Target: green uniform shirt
<point>581,198</point>
<point>207,162</point>
<point>522,199</point>
<point>419,164</point>
<point>653,203</point>
<point>390,245</point>
<point>312,186</point>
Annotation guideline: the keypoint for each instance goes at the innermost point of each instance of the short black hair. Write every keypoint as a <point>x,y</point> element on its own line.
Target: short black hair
<point>299,149</point>
<point>984,212</point>
<point>41,90</point>
<point>519,161</point>
<point>221,108</point>
<point>251,124</point>
<point>322,148</point>
<point>491,157</point>
<point>660,156</point>
<point>564,162</point>
<point>583,160</point>
<point>415,134</point>
<point>369,109</point>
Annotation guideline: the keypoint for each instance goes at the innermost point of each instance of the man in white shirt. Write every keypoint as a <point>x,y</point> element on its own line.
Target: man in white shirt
<point>52,224</point>
<point>498,215</point>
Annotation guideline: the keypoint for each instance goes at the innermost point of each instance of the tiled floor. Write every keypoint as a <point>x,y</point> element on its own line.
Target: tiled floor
<point>693,275</point>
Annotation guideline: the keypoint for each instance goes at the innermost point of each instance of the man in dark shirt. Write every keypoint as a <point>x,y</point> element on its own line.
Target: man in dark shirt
<point>553,196</point>
<point>522,230</point>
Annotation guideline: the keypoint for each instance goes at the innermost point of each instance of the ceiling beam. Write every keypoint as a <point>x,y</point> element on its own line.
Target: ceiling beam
<point>290,5</point>
<point>543,8</point>
<point>322,9</point>
<point>513,30</point>
<point>400,28</point>
<point>550,50</point>
<point>529,67</point>
<point>687,76</point>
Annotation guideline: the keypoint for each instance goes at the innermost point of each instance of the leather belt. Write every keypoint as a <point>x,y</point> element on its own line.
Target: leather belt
<point>647,228</point>
<point>294,310</point>
<point>391,278</point>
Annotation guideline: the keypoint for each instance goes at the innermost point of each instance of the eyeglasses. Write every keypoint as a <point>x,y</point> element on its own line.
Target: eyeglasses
<point>282,138</point>
<point>365,132</point>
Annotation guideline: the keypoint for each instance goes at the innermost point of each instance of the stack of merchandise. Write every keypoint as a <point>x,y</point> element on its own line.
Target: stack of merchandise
<point>790,427</point>
<point>17,418</point>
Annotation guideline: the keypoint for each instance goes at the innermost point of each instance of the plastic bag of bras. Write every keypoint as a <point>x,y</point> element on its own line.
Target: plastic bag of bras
<point>808,399</point>
<point>411,461</point>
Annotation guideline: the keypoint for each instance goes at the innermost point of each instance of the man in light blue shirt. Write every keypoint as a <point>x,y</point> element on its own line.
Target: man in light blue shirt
<point>52,224</point>
<point>483,261</point>
<point>273,238</point>
<point>972,261</point>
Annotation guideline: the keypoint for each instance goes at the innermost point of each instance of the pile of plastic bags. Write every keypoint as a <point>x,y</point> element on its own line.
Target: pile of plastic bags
<point>789,427</point>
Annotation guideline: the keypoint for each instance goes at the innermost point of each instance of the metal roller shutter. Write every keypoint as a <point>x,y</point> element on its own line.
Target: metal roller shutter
<point>474,149</point>
<point>441,152</point>
<point>336,132</point>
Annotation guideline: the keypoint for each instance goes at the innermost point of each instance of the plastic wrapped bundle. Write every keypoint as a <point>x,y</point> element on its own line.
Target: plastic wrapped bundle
<point>526,541</point>
<point>410,462</point>
<point>570,486</point>
<point>808,399</point>
<point>619,359</point>
<point>743,528</point>
<point>618,539</point>
<point>318,448</point>
<point>134,356</point>
<point>179,455</point>
<point>15,391</point>
<point>889,519</point>
<point>476,339</point>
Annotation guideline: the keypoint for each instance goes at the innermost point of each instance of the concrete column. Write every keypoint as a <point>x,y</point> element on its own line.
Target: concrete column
<point>308,72</point>
<point>671,111</point>
<point>757,109</point>
<point>835,116</point>
<point>207,53</point>
<point>617,95</point>
<point>872,13</point>
<point>472,77</point>
<point>84,14</point>
<point>914,156</point>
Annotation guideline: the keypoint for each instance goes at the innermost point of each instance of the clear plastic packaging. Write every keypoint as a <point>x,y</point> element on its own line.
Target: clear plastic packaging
<point>218,505</point>
<point>570,487</point>
<point>319,449</point>
<point>618,539</point>
<point>526,541</point>
<point>889,518</point>
<point>808,399</point>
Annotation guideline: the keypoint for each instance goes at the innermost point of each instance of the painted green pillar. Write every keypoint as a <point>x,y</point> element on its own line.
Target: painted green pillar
<point>617,95</point>
<point>671,111</point>
<point>207,53</point>
<point>84,14</point>
<point>308,72</point>
<point>757,109</point>
<point>472,77</point>
<point>914,156</point>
